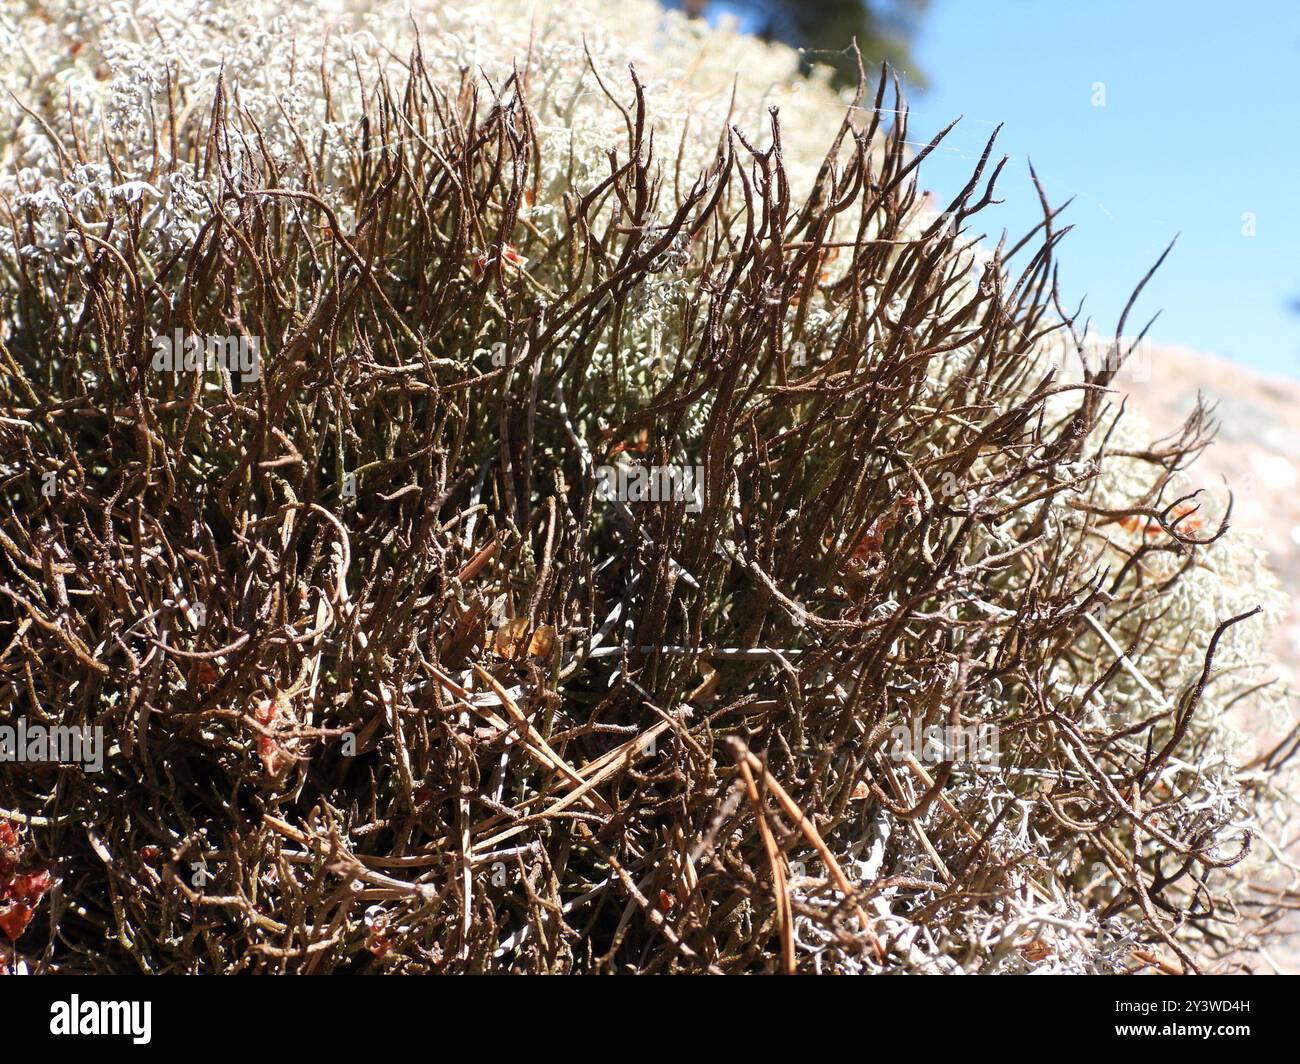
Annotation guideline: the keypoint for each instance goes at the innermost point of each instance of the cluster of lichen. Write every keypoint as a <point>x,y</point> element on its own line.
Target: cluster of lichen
<point>186,139</point>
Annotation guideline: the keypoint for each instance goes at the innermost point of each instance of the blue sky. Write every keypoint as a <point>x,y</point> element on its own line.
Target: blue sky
<point>1200,129</point>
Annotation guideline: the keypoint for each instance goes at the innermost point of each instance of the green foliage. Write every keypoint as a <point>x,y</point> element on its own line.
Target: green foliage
<point>824,29</point>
